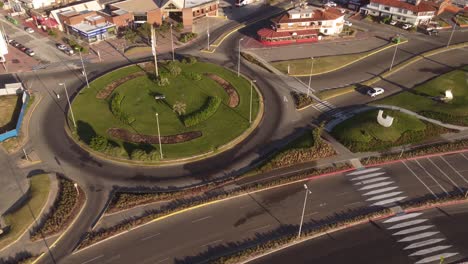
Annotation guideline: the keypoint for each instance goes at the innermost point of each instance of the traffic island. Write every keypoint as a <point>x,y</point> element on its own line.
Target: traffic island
<point>201,108</point>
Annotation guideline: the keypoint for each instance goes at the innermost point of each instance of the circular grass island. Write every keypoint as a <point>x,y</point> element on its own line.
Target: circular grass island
<point>201,109</point>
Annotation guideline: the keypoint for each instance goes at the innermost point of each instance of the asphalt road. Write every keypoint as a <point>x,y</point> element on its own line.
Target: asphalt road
<point>213,229</point>
<point>375,243</point>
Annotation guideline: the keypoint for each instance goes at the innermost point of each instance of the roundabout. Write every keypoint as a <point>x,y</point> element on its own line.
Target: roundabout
<point>202,110</point>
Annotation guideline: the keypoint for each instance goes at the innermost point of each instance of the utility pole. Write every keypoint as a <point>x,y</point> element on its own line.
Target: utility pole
<point>208,32</point>
<point>394,54</point>
<point>153,49</point>
<point>84,70</point>
<point>303,210</point>
<point>69,104</point>
<point>159,136</point>
<point>239,59</point>
<point>451,34</point>
<point>172,45</point>
<point>310,76</point>
<point>251,92</point>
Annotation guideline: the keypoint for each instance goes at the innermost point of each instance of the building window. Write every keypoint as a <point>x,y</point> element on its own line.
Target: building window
<point>398,17</point>
<point>386,8</point>
<point>400,10</point>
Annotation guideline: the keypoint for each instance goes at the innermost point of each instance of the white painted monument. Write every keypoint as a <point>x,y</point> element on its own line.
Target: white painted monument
<point>384,121</point>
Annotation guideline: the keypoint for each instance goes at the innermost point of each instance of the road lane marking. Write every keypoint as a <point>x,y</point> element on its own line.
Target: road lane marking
<point>436,258</point>
<point>424,243</point>
<point>352,204</point>
<point>93,259</point>
<point>412,230</point>
<point>391,200</point>
<point>371,180</point>
<point>402,217</point>
<point>363,177</point>
<point>162,260</point>
<point>148,237</point>
<point>415,175</point>
<point>359,172</point>
<point>386,189</point>
<point>445,174</point>
<point>313,213</point>
<point>409,223</point>
<point>430,250</point>
<point>259,228</point>
<point>372,186</point>
<point>212,242</point>
<point>430,175</point>
<point>383,196</point>
<point>418,236</point>
<point>461,176</point>
<point>201,219</point>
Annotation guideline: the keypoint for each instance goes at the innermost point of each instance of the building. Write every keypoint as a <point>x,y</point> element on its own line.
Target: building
<point>3,47</point>
<point>302,24</point>
<point>413,12</point>
<point>90,26</point>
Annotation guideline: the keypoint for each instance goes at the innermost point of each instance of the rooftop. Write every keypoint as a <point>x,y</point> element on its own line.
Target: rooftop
<point>421,7</point>
<point>85,27</point>
<point>136,6</point>
<point>316,15</point>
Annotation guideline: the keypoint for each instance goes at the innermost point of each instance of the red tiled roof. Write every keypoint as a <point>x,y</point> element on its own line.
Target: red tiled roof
<point>317,15</point>
<point>270,33</point>
<point>422,7</point>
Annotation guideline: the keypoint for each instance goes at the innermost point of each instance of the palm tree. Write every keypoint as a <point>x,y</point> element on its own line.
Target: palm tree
<point>179,107</point>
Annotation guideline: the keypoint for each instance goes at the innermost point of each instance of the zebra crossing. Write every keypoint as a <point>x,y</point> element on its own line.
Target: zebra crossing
<point>323,106</point>
<point>421,239</point>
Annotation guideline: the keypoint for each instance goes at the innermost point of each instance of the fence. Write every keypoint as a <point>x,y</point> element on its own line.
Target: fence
<point>15,132</point>
<point>11,88</point>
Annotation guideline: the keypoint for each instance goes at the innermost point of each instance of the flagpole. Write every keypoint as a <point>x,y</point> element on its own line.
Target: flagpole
<point>153,48</point>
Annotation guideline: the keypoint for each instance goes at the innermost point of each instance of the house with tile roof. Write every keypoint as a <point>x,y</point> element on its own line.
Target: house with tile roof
<point>302,24</point>
<point>415,12</point>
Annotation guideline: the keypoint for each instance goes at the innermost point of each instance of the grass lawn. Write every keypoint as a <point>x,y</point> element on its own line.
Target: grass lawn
<point>8,105</point>
<point>20,219</point>
<point>420,99</point>
<point>136,50</point>
<point>363,133</point>
<point>94,116</point>
<point>321,64</point>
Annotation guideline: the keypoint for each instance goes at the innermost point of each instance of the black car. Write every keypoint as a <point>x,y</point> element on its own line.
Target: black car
<point>432,32</point>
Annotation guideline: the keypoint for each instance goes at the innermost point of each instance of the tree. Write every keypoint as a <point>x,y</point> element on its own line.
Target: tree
<point>145,31</point>
<point>179,107</point>
<point>130,35</point>
<point>317,134</point>
<point>174,69</point>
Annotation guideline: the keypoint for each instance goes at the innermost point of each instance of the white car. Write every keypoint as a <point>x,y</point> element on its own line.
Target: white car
<point>373,92</point>
<point>29,30</point>
<point>406,26</point>
<point>61,46</point>
<point>393,22</point>
<point>330,4</point>
<point>347,23</point>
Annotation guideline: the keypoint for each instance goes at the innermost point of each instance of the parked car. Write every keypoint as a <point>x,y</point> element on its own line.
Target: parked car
<point>61,46</point>
<point>406,26</point>
<point>30,52</point>
<point>432,32</point>
<point>69,51</point>
<point>393,22</point>
<point>330,4</point>
<point>29,30</point>
<point>347,23</point>
<point>373,92</point>
<point>22,48</point>
<point>16,44</point>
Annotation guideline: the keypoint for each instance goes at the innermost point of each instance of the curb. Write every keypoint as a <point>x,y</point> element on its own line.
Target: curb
<point>351,62</point>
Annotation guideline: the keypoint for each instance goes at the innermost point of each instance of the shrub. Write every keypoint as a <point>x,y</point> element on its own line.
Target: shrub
<point>139,154</point>
<point>52,33</point>
<point>163,80</point>
<point>99,143</point>
<point>301,100</point>
<point>186,37</point>
<point>179,27</point>
<point>174,69</point>
<point>206,111</point>
<point>195,76</point>
<point>116,109</point>
<point>192,60</point>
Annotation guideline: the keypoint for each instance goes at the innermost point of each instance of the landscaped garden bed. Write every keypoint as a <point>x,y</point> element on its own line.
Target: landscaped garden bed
<point>301,100</point>
<point>426,100</point>
<point>362,132</point>
<point>201,107</point>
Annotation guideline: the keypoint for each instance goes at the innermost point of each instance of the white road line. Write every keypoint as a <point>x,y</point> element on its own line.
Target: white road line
<point>201,219</point>
<point>445,174</point>
<point>418,236</point>
<point>402,217</point>
<point>383,196</point>
<point>463,155</point>
<point>162,260</point>
<point>367,176</point>
<point>259,228</point>
<point>391,200</point>
<point>430,175</point>
<point>386,189</point>
<point>409,223</point>
<point>371,180</point>
<point>436,258</point>
<point>212,242</point>
<point>313,213</point>
<point>430,250</point>
<point>457,172</point>
<point>351,204</point>
<point>404,163</point>
<point>93,259</point>
<point>148,237</point>
<point>376,185</point>
<point>412,230</point>
<point>425,243</point>
<point>359,172</point>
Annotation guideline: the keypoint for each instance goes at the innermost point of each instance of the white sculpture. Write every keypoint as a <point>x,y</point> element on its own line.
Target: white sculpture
<point>384,121</point>
<point>448,95</point>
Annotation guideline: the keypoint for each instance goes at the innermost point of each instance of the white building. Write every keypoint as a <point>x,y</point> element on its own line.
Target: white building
<point>3,47</point>
<point>412,12</point>
<point>38,4</point>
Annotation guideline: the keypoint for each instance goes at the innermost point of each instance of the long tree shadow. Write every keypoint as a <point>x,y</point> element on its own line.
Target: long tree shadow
<point>14,117</point>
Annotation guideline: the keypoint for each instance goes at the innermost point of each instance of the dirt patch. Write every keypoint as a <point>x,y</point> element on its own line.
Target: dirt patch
<point>10,105</point>
<point>230,90</point>
<point>106,91</point>
<point>127,136</point>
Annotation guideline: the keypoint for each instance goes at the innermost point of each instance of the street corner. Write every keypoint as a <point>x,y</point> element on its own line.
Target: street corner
<point>17,61</point>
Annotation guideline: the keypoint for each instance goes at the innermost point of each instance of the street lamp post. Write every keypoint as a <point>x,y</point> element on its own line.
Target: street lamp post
<point>451,34</point>
<point>303,210</point>
<point>238,61</point>
<point>251,91</point>
<point>84,70</point>
<point>394,53</point>
<point>172,45</point>
<point>208,32</point>
<point>159,136</point>
<point>69,104</point>
<point>310,77</point>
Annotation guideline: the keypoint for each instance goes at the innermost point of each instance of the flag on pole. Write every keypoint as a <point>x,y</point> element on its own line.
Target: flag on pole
<point>3,45</point>
<point>153,41</point>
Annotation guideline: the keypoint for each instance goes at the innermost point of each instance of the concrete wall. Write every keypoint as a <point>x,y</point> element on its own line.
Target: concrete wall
<point>15,132</point>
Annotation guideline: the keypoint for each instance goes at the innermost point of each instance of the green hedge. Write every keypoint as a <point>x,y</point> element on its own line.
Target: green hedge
<point>186,37</point>
<point>206,111</point>
<point>115,107</point>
